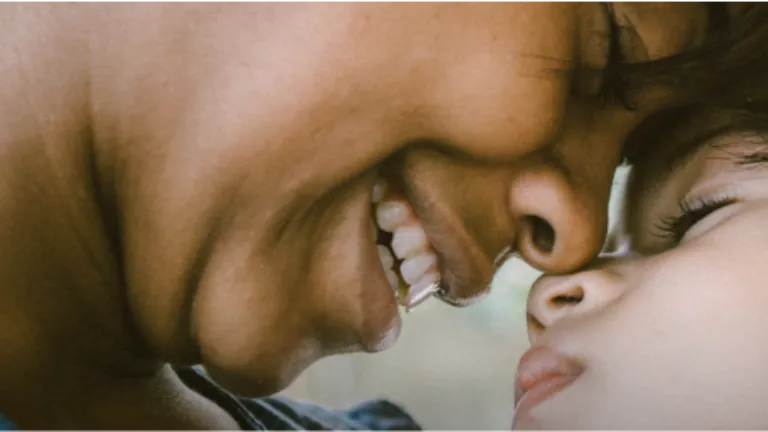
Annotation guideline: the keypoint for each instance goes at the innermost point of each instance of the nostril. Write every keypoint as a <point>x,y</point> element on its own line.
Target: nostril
<point>542,234</point>
<point>571,298</point>
<point>534,324</point>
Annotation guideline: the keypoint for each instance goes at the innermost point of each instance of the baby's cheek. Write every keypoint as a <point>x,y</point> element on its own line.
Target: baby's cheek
<point>703,290</point>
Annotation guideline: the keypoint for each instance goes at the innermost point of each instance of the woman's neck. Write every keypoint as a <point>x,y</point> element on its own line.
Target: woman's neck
<point>159,401</point>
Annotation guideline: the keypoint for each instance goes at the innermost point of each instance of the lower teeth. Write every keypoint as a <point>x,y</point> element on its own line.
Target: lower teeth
<point>417,295</point>
<point>410,296</point>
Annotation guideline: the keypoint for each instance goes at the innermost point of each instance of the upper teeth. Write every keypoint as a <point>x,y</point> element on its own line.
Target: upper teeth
<point>391,214</point>
<point>379,189</point>
<point>409,243</point>
<point>413,268</point>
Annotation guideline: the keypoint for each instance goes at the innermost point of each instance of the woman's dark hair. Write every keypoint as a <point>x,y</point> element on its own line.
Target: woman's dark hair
<point>730,69</point>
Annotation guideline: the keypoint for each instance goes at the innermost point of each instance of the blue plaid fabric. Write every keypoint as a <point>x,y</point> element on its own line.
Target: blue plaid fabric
<point>279,413</point>
<point>6,424</point>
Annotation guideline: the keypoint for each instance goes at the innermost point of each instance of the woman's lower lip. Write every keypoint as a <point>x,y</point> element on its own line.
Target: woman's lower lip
<point>541,392</point>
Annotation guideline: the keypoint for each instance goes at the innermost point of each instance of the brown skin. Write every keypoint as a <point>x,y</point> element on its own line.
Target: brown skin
<point>191,183</point>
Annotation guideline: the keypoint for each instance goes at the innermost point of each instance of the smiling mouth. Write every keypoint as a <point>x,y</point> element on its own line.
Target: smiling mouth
<point>408,259</point>
<point>425,249</point>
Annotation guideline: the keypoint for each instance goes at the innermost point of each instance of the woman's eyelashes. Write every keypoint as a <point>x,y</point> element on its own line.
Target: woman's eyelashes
<point>672,229</point>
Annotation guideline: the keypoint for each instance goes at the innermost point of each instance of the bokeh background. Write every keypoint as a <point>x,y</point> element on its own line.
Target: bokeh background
<point>451,368</point>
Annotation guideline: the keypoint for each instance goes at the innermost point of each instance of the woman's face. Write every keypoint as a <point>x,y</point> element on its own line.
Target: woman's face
<point>671,332</point>
<point>258,136</point>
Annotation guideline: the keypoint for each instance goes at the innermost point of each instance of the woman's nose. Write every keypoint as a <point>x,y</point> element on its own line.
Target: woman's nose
<point>553,298</point>
<point>561,222</point>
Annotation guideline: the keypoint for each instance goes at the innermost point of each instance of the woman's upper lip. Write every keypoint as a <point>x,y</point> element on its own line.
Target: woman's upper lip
<point>541,365</point>
<point>465,271</point>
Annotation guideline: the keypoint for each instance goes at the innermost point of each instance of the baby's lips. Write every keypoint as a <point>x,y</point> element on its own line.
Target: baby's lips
<point>541,374</point>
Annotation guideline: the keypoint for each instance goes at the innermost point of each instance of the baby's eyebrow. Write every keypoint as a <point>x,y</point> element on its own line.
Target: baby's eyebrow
<point>673,137</point>
<point>741,135</point>
<point>744,147</point>
<point>757,158</point>
<point>687,149</point>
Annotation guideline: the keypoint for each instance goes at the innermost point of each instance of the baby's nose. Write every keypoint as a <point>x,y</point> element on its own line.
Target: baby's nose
<point>553,298</point>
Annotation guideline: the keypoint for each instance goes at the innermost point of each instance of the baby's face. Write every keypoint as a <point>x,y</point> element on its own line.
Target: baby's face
<point>672,331</point>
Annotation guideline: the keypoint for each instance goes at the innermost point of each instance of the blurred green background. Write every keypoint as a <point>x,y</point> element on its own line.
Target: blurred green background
<point>451,368</point>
